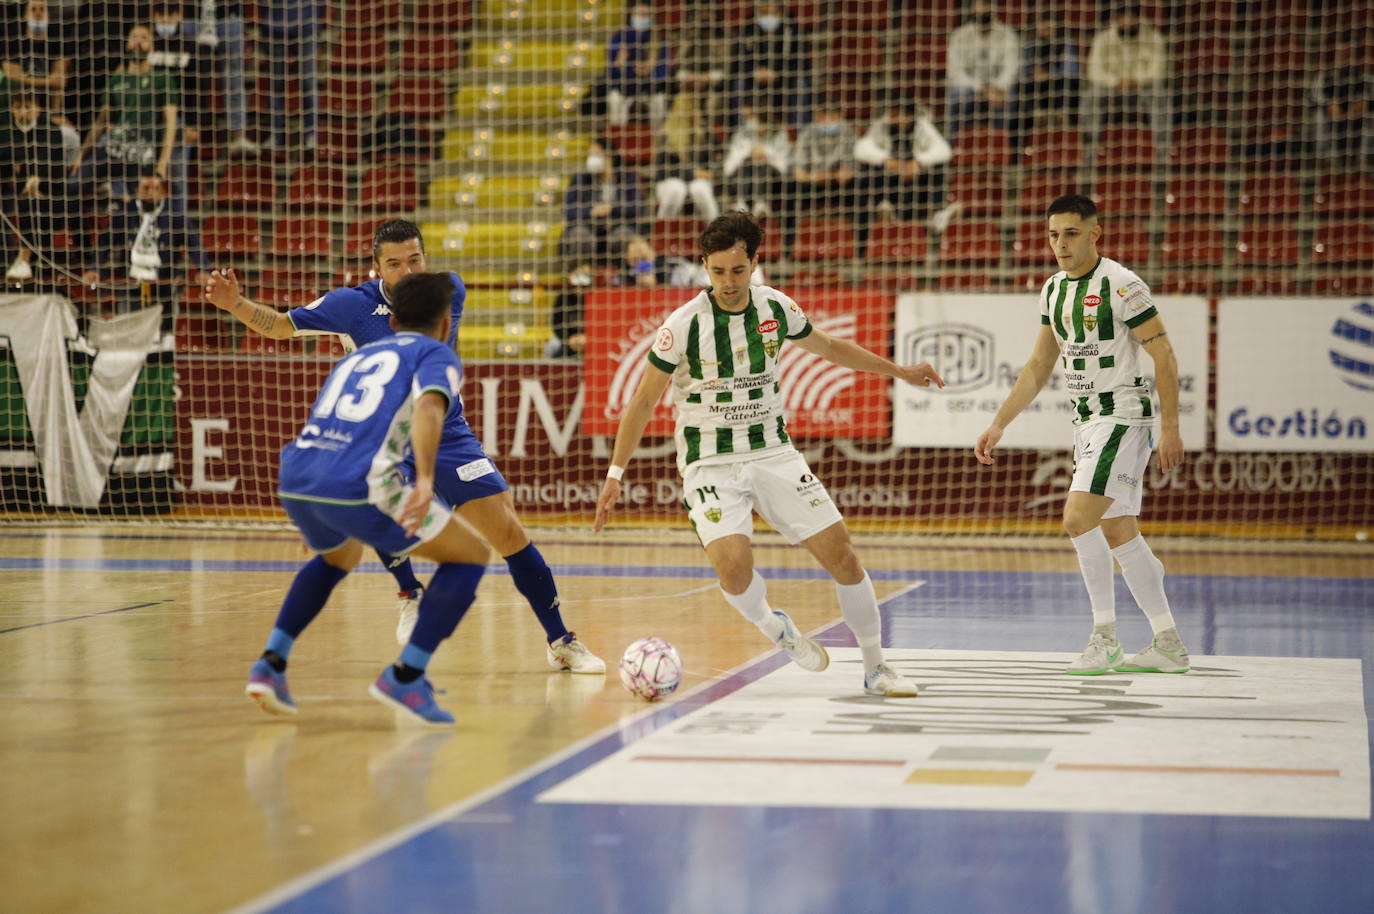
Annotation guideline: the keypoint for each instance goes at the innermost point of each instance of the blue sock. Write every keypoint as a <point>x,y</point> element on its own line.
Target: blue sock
<point>415,657</point>
<point>534,580</point>
<point>401,570</point>
<point>448,596</point>
<point>280,643</point>
<point>307,596</point>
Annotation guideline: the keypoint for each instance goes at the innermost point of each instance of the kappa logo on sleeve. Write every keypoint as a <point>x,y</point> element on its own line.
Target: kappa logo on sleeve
<point>315,304</point>
<point>476,470</point>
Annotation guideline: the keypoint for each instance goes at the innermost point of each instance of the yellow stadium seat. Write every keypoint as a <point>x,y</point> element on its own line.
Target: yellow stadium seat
<point>534,240</point>
<point>504,100</point>
<point>478,192</point>
<point>506,341</point>
<point>552,14</point>
<point>486,143</point>
<point>498,306</point>
<point>514,55</point>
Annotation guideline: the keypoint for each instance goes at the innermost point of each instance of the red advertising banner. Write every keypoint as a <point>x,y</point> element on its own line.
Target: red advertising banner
<point>821,400</point>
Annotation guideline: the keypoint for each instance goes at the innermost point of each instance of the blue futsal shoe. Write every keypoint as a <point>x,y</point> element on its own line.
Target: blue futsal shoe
<point>268,688</point>
<point>414,701</point>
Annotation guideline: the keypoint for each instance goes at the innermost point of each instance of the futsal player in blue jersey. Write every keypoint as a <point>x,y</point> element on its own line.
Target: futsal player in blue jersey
<point>342,485</point>
<point>467,479</point>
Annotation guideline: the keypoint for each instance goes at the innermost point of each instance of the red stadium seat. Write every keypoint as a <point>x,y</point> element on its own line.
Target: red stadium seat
<point>806,14</point>
<point>1343,244</point>
<point>676,237</point>
<point>1127,148</point>
<point>857,55</point>
<point>1052,148</point>
<point>897,242</point>
<point>358,51</point>
<point>1264,242</point>
<point>1269,195</point>
<point>1193,242</point>
<point>1343,284</point>
<point>981,147</point>
<point>358,240</point>
<point>378,15</point>
<point>1343,195</point>
<point>288,297</point>
<point>442,15</point>
<point>1192,282</point>
<point>1041,188</point>
<point>1197,148</point>
<point>971,242</point>
<point>317,187</point>
<point>231,234</point>
<point>1032,246</point>
<point>246,187</point>
<point>824,239</point>
<point>965,282</point>
<point>422,97</point>
<point>980,192</point>
<point>202,332</point>
<point>633,142</point>
<point>1196,195</point>
<point>861,15</point>
<point>1124,195</point>
<point>389,187</point>
<point>1202,54</point>
<point>430,52</point>
<point>308,237</point>
<point>816,279</point>
<point>1280,282</point>
<point>349,96</point>
<point>1125,241</point>
<point>339,139</point>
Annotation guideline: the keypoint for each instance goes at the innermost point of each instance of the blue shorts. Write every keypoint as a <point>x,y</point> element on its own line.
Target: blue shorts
<point>462,473</point>
<point>326,526</point>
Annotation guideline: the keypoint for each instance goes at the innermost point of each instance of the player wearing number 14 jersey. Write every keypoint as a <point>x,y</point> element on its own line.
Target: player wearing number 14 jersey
<point>1095,318</point>
<point>720,353</point>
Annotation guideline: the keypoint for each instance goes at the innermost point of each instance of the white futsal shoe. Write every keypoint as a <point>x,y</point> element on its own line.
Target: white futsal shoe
<point>567,653</point>
<point>1102,655</point>
<point>806,653</point>
<point>884,680</point>
<point>1166,654</point>
<point>410,614</point>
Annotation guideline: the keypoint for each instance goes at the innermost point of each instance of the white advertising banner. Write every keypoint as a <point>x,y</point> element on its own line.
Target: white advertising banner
<point>1295,374</point>
<point>979,343</point>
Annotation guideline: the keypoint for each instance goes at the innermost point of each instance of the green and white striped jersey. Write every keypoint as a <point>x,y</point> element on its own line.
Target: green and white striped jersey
<point>725,375</point>
<point>1092,317</point>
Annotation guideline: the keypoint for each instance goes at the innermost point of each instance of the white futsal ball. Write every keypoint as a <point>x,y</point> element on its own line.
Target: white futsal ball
<point>651,669</point>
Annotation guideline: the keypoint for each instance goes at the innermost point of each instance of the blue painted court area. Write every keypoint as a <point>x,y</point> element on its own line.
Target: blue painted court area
<point>505,852</point>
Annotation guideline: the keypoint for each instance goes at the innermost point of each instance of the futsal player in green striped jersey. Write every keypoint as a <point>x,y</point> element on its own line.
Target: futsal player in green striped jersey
<point>1095,318</point>
<point>720,353</point>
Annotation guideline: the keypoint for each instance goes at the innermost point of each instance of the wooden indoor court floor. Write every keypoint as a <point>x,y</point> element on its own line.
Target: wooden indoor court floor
<point>138,778</point>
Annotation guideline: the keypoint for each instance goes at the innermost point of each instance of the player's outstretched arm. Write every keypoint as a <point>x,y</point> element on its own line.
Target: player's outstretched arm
<point>1156,342</point>
<point>426,426</point>
<point>850,354</point>
<point>1033,376</point>
<point>222,290</point>
<point>632,424</point>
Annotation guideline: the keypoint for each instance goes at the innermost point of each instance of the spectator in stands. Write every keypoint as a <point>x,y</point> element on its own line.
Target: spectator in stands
<point>290,34</point>
<point>686,160</point>
<point>771,68</point>
<point>33,183</point>
<point>983,59</point>
<point>643,267</point>
<point>1049,85</point>
<point>177,53</point>
<point>637,68</point>
<point>1127,73</point>
<point>823,172</point>
<point>146,240</point>
<point>703,65</point>
<point>137,122</point>
<point>603,209</point>
<point>900,161</point>
<point>37,59</point>
<point>758,164</point>
<point>221,26</point>
<point>569,337</point>
<point>1342,95</point>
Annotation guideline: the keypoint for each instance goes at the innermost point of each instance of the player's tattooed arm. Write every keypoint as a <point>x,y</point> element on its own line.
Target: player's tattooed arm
<point>1158,335</point>
<point>262,320</point>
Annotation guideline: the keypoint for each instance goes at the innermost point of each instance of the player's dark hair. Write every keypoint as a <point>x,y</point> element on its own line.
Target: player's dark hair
<point>394,231</point>
<point>1077,204</point>
<point>420,301</point>
<point>726,231</point>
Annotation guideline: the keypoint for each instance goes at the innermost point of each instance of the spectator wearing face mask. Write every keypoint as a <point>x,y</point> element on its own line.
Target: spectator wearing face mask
<point>1127,74</point>
<point>637,68</point>
<point>1342,95</point>
<point>1048,89</point>
<point>220,30</point>
<point>569,337</point>
<point>37,60</point>
<point>758,165</point>
<point>177,53</point>
<point>686,160</point>
<point>603,209</point>
<point>901,173</point>
<point>32,180</point>
<point>823,169</point>
<point>771,68</point>
<point>983,58</point>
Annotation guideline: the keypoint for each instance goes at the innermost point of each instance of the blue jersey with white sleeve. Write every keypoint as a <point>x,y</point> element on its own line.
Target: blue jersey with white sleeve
<point>358,433</point>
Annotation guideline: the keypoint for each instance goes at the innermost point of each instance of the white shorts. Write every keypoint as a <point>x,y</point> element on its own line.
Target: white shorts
<point>721,498</point>
<point>1110,459</point>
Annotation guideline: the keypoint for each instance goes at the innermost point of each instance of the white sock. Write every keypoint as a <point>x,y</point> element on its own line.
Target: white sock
<point>753,605</point>
<point>859,604</point>
<point>1095,562</point>
<point>1144,575</point>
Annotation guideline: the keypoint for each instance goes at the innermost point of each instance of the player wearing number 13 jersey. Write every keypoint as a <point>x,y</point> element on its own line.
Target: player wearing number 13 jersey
<point>720,354</point>
<point>1095,318</point>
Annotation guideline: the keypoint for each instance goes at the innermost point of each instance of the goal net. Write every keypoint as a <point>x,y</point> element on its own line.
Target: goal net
<point>563,156</point>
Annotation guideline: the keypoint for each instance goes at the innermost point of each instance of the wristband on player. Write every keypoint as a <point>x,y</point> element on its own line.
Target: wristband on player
<point>615,472</point>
